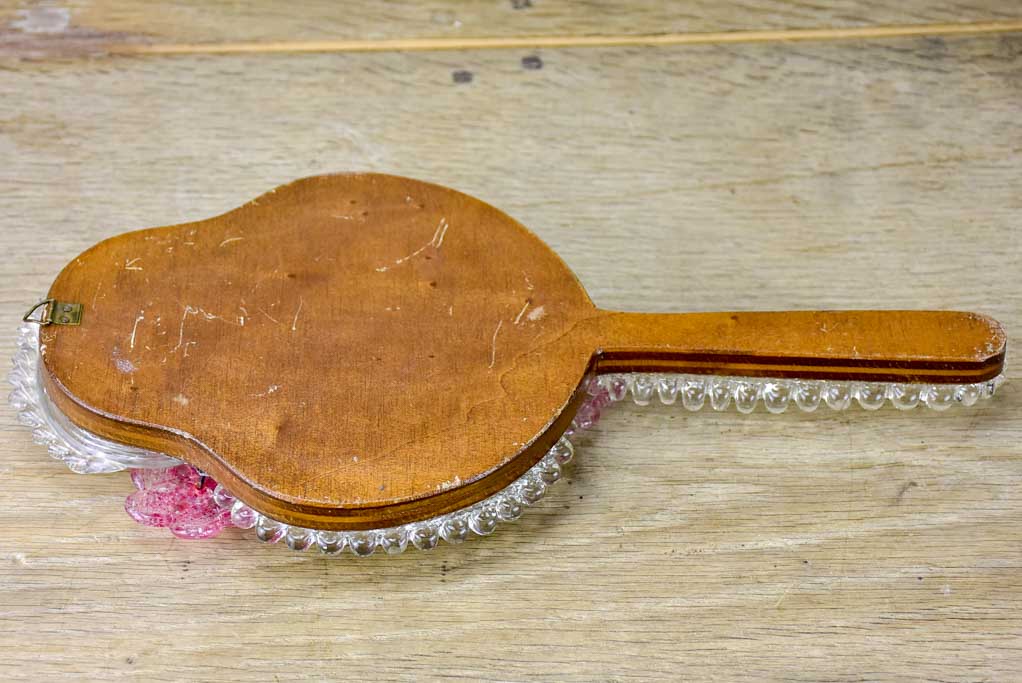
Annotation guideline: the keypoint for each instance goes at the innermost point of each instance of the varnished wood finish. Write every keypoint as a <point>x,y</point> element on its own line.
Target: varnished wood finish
<point>937,347</point>
<point>354,347</point>
<point>362,350</point>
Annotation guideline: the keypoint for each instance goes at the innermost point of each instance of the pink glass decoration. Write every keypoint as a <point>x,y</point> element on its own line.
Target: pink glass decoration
<point>174,498</point>
<point>592,407</point>
<point>179,499</point>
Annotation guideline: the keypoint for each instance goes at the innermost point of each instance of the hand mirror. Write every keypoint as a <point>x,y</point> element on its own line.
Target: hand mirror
<point>362,351</point>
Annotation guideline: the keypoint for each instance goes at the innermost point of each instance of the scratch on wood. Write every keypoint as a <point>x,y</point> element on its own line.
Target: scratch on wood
<point>493,344</point>
<point>130,264</point>
<point>441,231</point>
<point>272,389</point>
<point>436,242</point>
<point>194,310</point>
<point>140,318</point>
<point>263,311</point>
<point>294,323</point>
<point>518,318</point>
<point>181,332</point>
<point>528,282</point>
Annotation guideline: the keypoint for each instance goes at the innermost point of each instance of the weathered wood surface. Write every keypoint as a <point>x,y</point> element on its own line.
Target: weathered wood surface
<point>82,27</point>
<point>843,547</point>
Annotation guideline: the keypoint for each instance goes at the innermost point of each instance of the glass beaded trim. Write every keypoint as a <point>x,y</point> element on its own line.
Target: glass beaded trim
<point>82,451</point>
<point>86,453</point>
<point>480,519</point>
<point>697,391</point>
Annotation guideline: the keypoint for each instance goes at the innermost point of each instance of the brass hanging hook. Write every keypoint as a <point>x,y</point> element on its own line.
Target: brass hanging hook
<point>54,313</point>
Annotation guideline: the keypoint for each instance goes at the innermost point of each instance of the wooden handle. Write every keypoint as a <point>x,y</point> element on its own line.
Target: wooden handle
<point>941,347</point>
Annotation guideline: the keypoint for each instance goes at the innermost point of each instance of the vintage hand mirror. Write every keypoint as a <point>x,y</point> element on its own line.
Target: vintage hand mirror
<point>367,361</point>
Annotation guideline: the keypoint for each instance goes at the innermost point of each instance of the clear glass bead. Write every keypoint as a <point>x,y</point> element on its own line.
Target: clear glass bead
<point>838,395</point>
<point>807,394</point>
<point>533,490</point>
<point>424,536</point>
<point>667,390</point>
<point>939,396</point>
<point>454,529</point>
<point>563,451</point>
<point>222,497</point>
<point>509,509</point>
<point>776,396</point>
<point>298,538</point>
<point>483,521</point>
<point>642,390</point>
<point>990,388</point>
<point>745,393</point>
<point>616,387</point>
<point>871,395</point>
<point>967,394</point>
<point>362,543</point>
<point>269,530</point>
<point>720,393</point>
<point>693,393</point>
<point>549,471</point>
<point>394,540</point>
<point>242,516</point>
<point>905,396</point>
<point>30,420</point>
<point>331,542</point>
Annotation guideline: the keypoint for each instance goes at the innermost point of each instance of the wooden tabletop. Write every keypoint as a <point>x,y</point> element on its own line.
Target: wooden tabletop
<point>679,156</point>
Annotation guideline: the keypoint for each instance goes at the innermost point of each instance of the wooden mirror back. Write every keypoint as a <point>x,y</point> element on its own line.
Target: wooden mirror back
<point>361,350</point>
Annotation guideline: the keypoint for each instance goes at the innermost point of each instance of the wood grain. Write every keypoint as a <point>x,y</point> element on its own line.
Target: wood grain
<point>841,547</point>
<point>79,28</point>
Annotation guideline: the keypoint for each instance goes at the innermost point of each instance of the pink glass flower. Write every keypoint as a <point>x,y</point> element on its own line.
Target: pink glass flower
<point>173,498</point>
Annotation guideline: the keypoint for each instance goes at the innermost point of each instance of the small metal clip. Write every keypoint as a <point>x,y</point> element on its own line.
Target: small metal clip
<point>55,313</point>
<point>201,483</point>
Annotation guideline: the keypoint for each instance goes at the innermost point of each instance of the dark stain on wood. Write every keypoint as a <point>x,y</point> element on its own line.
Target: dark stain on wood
<point>532,63</point>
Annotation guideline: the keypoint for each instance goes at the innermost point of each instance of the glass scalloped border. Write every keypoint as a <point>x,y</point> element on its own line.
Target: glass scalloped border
<point>480,519</point>
<point>82,451</point>
<point>697,391</point>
